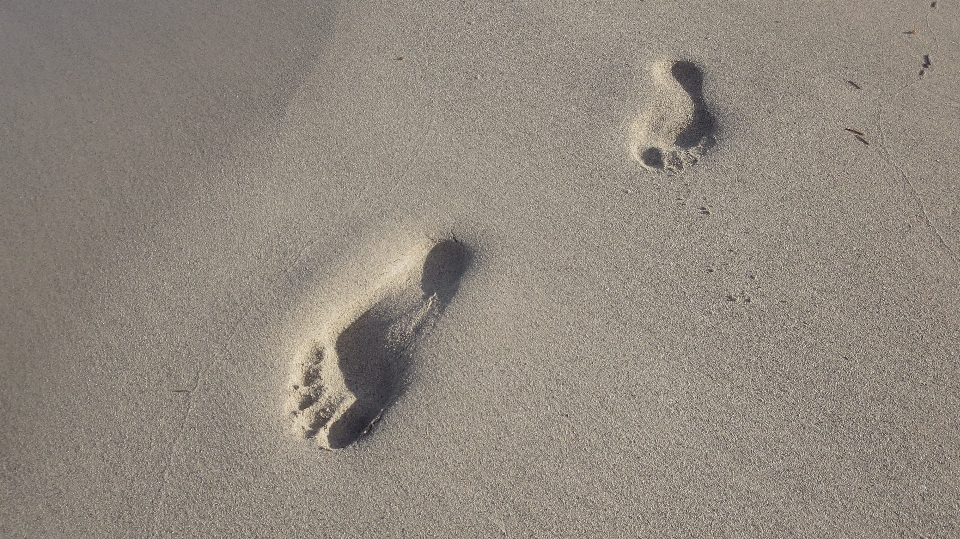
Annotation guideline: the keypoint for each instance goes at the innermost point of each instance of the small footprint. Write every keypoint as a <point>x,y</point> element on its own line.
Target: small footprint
<point>675,128</point>
<point>347,376</point>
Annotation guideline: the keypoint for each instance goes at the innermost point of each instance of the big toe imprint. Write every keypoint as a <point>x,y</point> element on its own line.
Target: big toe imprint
<point>347,377</point>
<point>675,128</point>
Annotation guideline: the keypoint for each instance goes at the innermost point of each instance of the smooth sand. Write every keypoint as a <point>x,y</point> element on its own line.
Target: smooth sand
<point>763,346</point>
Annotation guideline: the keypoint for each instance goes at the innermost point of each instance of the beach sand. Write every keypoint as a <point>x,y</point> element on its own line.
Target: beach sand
<point>706,280</point>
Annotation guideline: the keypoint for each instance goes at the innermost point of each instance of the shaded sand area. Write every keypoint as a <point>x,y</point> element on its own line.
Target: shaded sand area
<point>698,269</point>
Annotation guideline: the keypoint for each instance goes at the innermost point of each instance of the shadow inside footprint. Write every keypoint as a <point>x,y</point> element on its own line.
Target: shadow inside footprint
<point>443,267</point>
<point>652,157</point>
<point>373,351</point>
<point>700,130</point>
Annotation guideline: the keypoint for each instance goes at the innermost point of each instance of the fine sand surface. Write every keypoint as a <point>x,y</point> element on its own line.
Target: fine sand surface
<point>605,269</point>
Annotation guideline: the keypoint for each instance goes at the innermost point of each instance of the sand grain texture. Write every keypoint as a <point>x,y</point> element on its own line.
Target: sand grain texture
<point>763,345</point>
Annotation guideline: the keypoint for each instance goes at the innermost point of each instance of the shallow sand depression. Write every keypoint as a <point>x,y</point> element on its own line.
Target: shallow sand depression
<point>634,269</point>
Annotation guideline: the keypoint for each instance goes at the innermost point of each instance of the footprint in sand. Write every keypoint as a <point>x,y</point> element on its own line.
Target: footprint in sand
<point>351,372</point>
<point>675,128</point>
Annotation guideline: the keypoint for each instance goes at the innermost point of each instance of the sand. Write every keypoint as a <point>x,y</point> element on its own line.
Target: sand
<point>754,334</point>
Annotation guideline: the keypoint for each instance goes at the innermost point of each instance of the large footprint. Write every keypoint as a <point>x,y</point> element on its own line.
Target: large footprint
<point>675,128</point>
<point>351,372</point>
